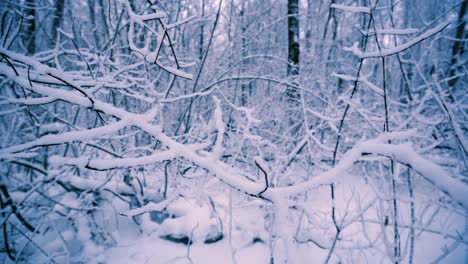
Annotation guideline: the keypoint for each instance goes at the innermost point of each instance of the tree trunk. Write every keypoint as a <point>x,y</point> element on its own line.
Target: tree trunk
<point>308,34</point>
<point>243,22</point>
<point>293,37</point>
<point>458,47</point>
<point>293,49</point>
<point>202,29</point>
<point>59,5</point>
<point>30,39</point>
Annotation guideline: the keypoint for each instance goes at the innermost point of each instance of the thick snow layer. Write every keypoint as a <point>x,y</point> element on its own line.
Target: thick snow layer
<point>356,203</point>
<point>158,251</point>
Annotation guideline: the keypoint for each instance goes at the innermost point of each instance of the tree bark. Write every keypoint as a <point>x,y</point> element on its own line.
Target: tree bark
<point>243,22</point>
<point>202,29</point>
<point>293,37</point>
<point>30,39</point>
<point>293,51</point>
<point>458,47</point>
<point>59,5</point>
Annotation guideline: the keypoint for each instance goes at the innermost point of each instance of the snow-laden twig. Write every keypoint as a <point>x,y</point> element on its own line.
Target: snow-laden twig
<point>17,155</point>
<point>66,137</point>
<point>236,179</point>
<point>395,50</point>
<point>352,9</point>
<point>388,31</point>
<point>142,18</point>
<point>110,164</point>
<point>181,22</point>
<point>151,206</point>
<point>403,153</point>
<point>145,52</point>
<point>362,79</point>
<point>448,111</point>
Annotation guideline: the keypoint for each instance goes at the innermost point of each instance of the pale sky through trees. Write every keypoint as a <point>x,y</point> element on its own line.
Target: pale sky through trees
<point>229,131</point>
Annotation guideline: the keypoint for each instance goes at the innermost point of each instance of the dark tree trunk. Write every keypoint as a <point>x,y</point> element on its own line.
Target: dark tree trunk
<point>202,29</point>
<point>292,94</point>
<point>243,22</point>
<point>308,34</point>
<point>30,39</point>
<point>293,37</point>
<point>458,47</point>
<point>59,5</point>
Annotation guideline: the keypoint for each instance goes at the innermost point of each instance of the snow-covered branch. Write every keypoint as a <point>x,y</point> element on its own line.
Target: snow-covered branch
<point>351,9</point>
<point>402,47</point>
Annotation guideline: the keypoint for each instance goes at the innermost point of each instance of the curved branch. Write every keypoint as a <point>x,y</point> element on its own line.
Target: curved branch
<point>266,178</point>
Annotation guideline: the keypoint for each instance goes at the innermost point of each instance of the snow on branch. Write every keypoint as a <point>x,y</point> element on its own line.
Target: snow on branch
<point>395,50</point>
<point>388,31</point>
<point>445,107</point>
<point>397,31</point>
<point>352,9</point>
<point>362,79</point>
<point>6,156</point>
<point>109,164</point>
<point>435,174</point>
<point>45,70</point>
<point>145,17</point>
<point>111,184</point>
<point>181,22</point>
<point>151,56</point>
<point>72,97</point>
<point>66,137</point>
<point>402,153</point>
<point>223,171</point>
<point>151,206</point>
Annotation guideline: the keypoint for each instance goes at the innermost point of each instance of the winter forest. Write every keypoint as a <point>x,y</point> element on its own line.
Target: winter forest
<point>232,131</point>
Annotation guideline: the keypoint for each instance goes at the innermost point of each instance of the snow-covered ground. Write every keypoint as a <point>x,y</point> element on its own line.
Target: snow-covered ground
<point>437,231</point>
<point>147,249</point>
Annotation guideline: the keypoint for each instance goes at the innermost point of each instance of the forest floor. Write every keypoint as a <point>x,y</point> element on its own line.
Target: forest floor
<point>249,246</point>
